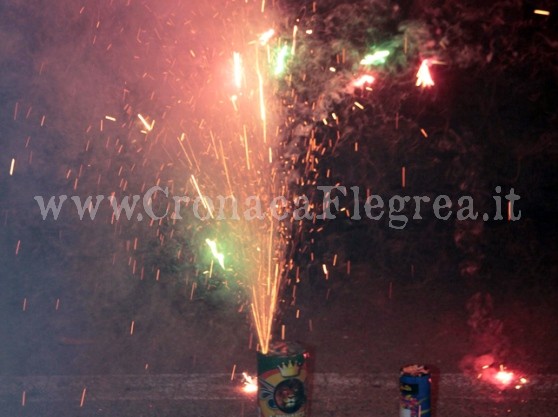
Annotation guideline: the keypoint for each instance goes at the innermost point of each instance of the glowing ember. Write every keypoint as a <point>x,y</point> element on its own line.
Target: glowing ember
<point>542,12</point>
<point>363,80</point>
<point>424,79</point>
<point>504,377</point>
<point>378,57</point>
<point>250,383</point>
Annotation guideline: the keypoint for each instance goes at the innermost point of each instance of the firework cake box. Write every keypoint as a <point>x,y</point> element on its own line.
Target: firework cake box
<point>414,385</point>
<point>282,387</point>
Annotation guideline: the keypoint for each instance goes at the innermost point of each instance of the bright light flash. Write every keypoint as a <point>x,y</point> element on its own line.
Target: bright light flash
<point>237,60</point>
<point>363,80</point>
<point>250,384</point>
<point>281,63</point>
<point>378,57</point>
<point>424,79</point>
<point>266,36</point>
<point>504,377</point>
<point>216,254</point>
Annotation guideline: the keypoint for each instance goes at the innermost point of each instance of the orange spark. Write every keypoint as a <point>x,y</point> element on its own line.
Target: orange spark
<point>82,397</point>
<point>148,127</point>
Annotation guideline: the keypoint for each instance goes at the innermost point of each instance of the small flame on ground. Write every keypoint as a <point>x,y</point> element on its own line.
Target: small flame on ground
<point>501,377</point>
<point>250,383</point>
<point>504,377</point>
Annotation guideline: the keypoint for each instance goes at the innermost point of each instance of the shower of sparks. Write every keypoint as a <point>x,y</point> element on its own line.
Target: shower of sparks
<point>246,165</point>
<point>238,119</point>
<point>424,79</point>
<point>216,254</point>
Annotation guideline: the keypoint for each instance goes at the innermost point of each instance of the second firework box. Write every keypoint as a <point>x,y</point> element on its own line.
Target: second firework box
<point>282,387</point>
<point>414,383</point>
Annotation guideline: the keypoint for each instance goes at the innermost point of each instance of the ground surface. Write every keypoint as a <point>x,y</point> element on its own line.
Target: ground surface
<point>212,395</point>
<point>356,324</point>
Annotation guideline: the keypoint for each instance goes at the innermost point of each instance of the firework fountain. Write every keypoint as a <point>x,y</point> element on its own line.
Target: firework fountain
<point>242,144</point>
<point>239,115</point>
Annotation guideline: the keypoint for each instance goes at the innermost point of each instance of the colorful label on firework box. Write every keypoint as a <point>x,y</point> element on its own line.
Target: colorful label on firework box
<point>282,381</point>
<point>414,385</point>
